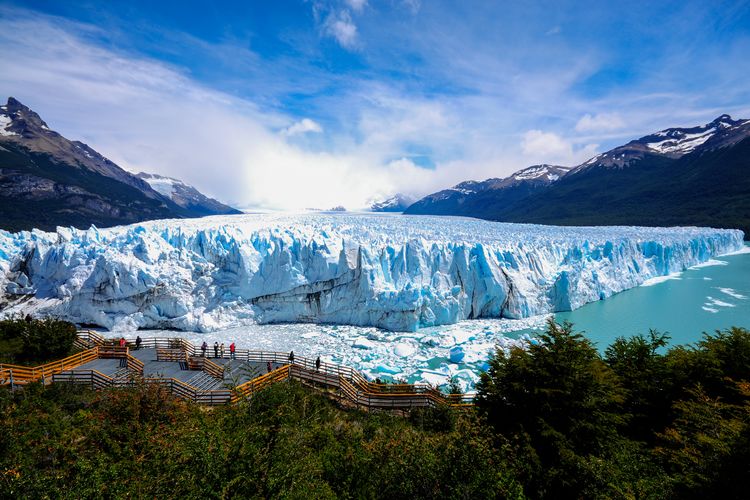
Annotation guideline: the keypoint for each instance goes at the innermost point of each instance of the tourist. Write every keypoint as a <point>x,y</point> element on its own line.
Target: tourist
<point>291,356</point>
<point>204,346</point>
<point>231,350</point>
<point>221,350</point>
<point>269,367</point>
<point>317,364</point>
<point>138,341</point>
<point>123,343</point>
<point>216,349</point>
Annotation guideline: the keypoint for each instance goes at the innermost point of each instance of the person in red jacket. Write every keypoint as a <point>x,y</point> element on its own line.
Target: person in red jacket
<point>231,350</point>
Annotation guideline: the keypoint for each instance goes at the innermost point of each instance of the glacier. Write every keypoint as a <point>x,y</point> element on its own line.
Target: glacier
<point>399,273</point>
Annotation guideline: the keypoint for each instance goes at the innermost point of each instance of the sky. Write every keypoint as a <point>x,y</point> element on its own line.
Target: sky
<point>295,104</point>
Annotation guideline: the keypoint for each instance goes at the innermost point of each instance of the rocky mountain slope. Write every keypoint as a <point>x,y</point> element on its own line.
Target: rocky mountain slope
<point>678,176</point>
<point>186,196</point>
<point>471,198</point>
<point>47,180</point>
<point>396,203</point>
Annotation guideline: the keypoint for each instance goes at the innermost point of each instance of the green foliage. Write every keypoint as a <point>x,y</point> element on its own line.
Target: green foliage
<point>644,375</point>
<point>557,420</point>
<point>288,441</point>
<point>37,340</point>
<point>559,395</point>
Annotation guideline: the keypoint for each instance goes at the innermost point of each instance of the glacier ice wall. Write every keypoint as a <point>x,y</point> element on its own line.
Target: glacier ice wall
<point>395,272</point>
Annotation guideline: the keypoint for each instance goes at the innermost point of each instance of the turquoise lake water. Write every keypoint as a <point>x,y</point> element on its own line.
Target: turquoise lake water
<point>698,300</point>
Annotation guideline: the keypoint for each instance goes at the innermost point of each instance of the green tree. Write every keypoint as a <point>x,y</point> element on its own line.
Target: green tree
<point>558,400</point>
<point>644,375</point>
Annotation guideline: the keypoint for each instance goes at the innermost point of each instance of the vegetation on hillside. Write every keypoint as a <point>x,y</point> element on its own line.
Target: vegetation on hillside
<point>35,340</point>
<point>556,420</point>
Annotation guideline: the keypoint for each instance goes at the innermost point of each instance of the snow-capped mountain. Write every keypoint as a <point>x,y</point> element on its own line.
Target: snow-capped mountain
<point>469,196</point>
<point>677,176</point>
<point>396,203</point>
<point>185,195</point>
<point>674,143</point>
<point>47,180</point>
<point>398,273</point>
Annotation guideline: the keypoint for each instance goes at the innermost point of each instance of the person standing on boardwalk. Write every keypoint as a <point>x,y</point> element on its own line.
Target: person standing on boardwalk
<point>204,346</point>
<point>123,343</point>
<point>317,364</point>
<point>138,341</point>
<point>231,350</point>
<point>291,356</point>
<point>221,350</point>
<point>269,367</point>
<point>216,349</point>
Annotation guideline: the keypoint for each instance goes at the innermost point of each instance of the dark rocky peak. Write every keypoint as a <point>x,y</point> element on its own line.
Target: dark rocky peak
<point>22,117</point>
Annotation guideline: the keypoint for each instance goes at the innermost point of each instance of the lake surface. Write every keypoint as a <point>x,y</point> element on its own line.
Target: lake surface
<point>715,295</point>
<point>712,296</point>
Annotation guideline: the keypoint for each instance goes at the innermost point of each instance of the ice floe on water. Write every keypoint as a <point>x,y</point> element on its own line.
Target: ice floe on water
<point>713,302</point>
<point>711,262</point>
<point>662,279</point>
<point>732,293</point>
<point>433,355</point>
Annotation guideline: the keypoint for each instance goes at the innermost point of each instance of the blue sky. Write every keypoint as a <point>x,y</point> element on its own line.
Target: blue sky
<point>313,103</point>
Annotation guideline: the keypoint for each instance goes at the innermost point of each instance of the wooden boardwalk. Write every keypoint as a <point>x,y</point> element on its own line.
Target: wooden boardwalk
<point>180,366</point>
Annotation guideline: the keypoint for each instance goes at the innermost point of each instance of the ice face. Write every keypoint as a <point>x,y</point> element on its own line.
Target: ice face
<point>399,273</point>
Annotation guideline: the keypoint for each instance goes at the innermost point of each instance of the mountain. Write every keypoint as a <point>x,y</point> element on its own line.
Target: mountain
<point>186,196</point>
<point>396,203</point>
<point>474,197</point>
<point>47,180</point>
<point>678,176</point>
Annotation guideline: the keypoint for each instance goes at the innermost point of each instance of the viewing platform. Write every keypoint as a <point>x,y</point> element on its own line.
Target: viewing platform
<point>217,378</point>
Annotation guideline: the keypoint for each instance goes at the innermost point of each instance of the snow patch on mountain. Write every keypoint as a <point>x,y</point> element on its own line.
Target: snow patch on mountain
<point>683,145</point>
<point>5,122</point>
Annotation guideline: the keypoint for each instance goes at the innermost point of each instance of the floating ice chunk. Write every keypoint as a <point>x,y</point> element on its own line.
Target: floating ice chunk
<point>391,370</point>
<point>718,303</point>
<point>363,343</point>
<point>661,279</point>
<point>732,293</point>
<point>310,335</point>
<point>710,309</point>
<point>404,349</point>
<point>456,355</point>
<point>435,379</point>
<point>710,263</point>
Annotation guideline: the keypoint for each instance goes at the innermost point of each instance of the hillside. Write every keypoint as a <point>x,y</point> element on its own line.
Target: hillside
<point>47,180</point>
<point>678,176</point>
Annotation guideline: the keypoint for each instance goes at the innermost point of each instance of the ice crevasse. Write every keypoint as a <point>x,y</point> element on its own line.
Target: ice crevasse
<point>395,272</point>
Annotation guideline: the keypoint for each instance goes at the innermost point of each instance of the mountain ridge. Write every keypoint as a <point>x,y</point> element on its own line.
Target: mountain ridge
<point>47,180</point>
<point>677,176</point>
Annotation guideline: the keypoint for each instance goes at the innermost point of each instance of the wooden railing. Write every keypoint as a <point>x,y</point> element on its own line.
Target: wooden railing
<point>349,383</point>
<point>206,365</point>
<point>16,374</point>
<point>259,383</point>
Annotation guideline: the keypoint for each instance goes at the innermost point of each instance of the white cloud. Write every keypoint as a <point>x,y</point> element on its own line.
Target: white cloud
<point>339,25</point>
<point>413,5</point>
<point>548,147</point>
<point>555,30</point>
<point>600,122</point>
<point>356,5</point>
<point>303,126</point>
